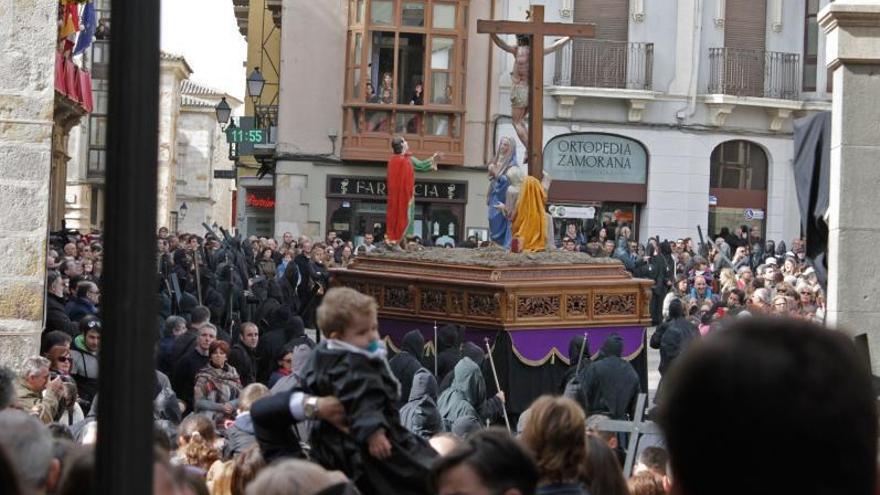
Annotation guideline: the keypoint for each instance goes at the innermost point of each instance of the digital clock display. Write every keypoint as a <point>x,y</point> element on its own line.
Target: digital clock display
<point>253,136</point>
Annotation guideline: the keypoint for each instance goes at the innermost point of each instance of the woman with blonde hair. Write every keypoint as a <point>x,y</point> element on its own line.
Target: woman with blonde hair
<point>556,436</point>
<point>727,280</point>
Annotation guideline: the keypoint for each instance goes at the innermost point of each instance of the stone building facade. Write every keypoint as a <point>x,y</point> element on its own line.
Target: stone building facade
<point>706,89</point>
<point>27,98</point>
<point>202,150</point>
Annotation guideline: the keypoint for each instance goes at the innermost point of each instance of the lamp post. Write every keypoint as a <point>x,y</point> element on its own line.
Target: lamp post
<point>255,84</point>
<point>224,112</point>
<point>182,210</point>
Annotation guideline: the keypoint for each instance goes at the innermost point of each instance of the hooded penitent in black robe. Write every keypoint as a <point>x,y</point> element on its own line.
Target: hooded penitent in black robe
<point>369,393</point>
<point>419,415</point>
<point>407,362</point>
<point>610,385</point>
<point>448,349</point>
<point>284,328</point>
<point>672,338</point>
<point>576,346</point>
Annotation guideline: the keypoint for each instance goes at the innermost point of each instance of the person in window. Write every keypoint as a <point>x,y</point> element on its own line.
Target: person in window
<point>446,98</point>
<point>371,94</point>
<point>387,97</point>
<point>418,97</point>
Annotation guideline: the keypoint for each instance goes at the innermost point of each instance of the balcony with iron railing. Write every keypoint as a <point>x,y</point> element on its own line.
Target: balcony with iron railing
<point>758,79</point>
<point>603,69</point>
<point>755,73</point>
<point>605,64</point>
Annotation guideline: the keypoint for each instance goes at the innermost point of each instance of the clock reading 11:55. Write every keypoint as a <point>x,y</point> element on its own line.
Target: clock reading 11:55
<point>246,136</point>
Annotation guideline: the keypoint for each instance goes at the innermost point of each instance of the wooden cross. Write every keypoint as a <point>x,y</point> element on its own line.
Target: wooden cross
<point>536,29</point>
<point>636,429</point>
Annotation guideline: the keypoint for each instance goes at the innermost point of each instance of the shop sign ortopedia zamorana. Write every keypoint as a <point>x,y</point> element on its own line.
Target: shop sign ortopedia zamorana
<point>596,157</point>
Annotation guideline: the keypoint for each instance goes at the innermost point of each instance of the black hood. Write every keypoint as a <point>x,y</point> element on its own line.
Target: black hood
<point>181,260</point>
<point>473,351</point>
<point>676,310</point>
<point>413,343</point>
<point>780,249</point>
<point>449,336</point>
<point>574,349</point>
<point>613,345</point>
<point>665,248</point>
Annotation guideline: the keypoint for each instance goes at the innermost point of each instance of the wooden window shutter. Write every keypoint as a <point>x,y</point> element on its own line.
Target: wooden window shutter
<point>611,17</point>
<point>745,24</point>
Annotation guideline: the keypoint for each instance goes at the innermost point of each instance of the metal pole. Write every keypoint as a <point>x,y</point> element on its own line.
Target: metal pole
<point>581,356</point>
<point>497,385</point>
<point>124,459</point>
<point>198,275</point>
<point>436,351</point>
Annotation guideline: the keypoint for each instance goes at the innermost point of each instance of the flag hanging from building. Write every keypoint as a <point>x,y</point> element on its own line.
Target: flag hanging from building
<point>89,21</point>
<point>69,24</point>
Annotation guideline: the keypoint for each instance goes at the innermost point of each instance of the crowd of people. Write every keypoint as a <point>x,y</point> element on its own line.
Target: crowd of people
<point>245,401</point>
<point>726,275</point>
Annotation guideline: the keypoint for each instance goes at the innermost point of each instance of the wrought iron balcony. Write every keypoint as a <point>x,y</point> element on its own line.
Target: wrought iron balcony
<point>605,64</point>
<point>757,73</point>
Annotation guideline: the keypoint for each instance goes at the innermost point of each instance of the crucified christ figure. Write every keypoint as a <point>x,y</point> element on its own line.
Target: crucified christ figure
<point>519,76</point>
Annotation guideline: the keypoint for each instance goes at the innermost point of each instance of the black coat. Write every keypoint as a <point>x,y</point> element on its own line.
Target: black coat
<point>182,345</point>
<point>56,317</point>
<point>184,378</point>
<point>575,347</point>
<point>369,393</point>
<point>610,385</point>
<point>273,430</point>
<point>405,365</point>
<point>449,352</point>
<point>672,338</point>
<point>285,330</point>
<point>244,360</point>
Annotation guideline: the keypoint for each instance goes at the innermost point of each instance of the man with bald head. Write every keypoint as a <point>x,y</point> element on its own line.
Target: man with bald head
<point>702,292</point>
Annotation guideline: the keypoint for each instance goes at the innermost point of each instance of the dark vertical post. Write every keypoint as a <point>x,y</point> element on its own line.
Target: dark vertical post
<point>125,420</point>
<point>536,95</point>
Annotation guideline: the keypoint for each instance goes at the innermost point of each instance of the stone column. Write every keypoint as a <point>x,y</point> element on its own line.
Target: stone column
<point>27,42</point>
<point>853,53</point>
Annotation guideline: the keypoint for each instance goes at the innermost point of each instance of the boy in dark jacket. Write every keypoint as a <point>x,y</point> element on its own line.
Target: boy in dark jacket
<point>377,453</point>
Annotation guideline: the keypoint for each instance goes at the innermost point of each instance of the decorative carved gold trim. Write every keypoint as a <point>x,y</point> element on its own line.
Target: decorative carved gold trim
<point>537,306</point>
<point>614,304</point>
<point>576,305</point>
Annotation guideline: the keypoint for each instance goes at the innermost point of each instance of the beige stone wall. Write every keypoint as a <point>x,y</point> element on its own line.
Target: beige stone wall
<point>172,72</point>
<point>201,150</point>
<point>26,106</point>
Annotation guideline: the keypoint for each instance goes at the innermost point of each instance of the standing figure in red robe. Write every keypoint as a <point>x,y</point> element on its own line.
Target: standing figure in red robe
<point>401,183</point>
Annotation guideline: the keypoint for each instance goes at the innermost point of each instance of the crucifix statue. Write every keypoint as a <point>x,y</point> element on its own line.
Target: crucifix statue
<point>528,73</point>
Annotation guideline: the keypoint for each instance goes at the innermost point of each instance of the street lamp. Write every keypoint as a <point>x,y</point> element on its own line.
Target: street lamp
<point>182,210</point>
<point>223,111</point>
<point>255,83</point>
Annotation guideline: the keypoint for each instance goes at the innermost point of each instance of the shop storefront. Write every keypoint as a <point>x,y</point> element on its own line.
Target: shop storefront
<point>257,211</point>
<point>738,188</point>
<point>599,181</point>
<point>356,206</point>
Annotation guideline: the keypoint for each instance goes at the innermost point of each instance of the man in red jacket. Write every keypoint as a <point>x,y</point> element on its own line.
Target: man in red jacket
<point>401,188</point>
